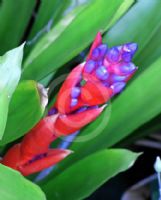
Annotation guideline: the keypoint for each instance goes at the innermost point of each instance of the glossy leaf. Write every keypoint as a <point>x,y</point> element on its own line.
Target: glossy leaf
<point>14,186</point>
<point>152,126</point>
<point>141,24</point>
<point>10,69</point>
<point>89,174</point>
<point>10,72</point>
<point>25,111</point>
<point>14,18</point>
<point>4,101</point>
<point>63,42</point>
<point>48,15</point>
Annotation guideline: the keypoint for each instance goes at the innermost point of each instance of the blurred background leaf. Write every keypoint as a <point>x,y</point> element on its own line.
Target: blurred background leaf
<point>88,174</point>
<point>14,186</point>
<point>14,19</point>
<point>48,14</point>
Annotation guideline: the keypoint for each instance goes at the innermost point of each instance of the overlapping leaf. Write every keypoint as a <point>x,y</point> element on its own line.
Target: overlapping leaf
<point>14,186</point>
<point>89,174</point>
<point>25,111</point>
<point>10,72</point>
<point>49,12</point>
<point>141,24</point>
<point>4,102</point>
<point>71,35</point>
<point>14,19</point>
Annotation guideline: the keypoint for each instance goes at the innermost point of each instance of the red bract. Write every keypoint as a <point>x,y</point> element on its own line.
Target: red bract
<point>80,100</point>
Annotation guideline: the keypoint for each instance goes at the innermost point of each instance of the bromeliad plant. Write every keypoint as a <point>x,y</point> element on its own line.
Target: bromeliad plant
<point>58,34</point>
<point>88,86</point>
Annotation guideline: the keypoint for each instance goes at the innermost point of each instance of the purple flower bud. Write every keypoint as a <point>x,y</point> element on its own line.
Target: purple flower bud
<point>106,84</point>
<point>118,87</point>
<point>75,92</point>
<point>52,111</point>
<point>127,56</point>
<point>102,73</point>
<point>103,49</point>
<point>117,78</point>
<point>130,47</point>
<point>100,62</point>
<point>113,55</point>
<point>128,68</point>
<point>74,102</point>
<point>96,54</point>
<point>89,66</point>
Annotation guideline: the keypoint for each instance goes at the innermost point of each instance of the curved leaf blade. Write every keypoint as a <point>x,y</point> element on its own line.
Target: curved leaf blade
<point>144,16</point>
<point>4,102</point>
<point>88,174</point>
<point>10,72</point>
<point>56,48</point>
<point>47,16</point>
<point>10,69</point>
<point>25,110</point>
<point>14,186</point>
<point>14,18</point>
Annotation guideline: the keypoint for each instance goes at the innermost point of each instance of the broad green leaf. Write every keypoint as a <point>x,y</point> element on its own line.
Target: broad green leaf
<point>10,72</point>
<point>13,186</point>
<point>48,14</point>
<point>141,24</point>
<point>4,101</point>
<point>71,35</point>
<point>10,69</point>
<point>84,177</point>
<point>25,110</point>
<point>14,19</point>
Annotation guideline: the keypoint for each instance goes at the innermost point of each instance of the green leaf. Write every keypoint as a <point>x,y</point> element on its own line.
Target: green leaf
<point>4,101</point>
<point>10,69</point>
<point>66,40</point>
<point>10,72</point>
<point>152,126</point>
<point>25,111</point>
<point>14,18</point>
<point>13,186</point>
<point>48,15</point>
<point>141,24</point>
<point>84,177</point>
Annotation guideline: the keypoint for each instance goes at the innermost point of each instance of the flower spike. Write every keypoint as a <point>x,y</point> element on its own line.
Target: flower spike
<point>81,99</point>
